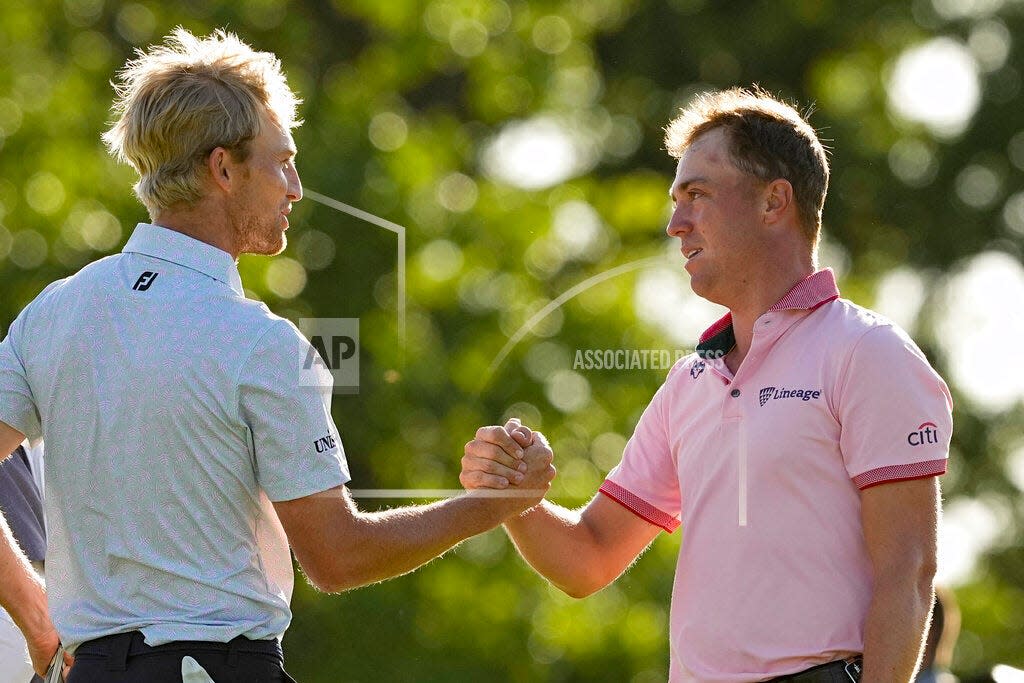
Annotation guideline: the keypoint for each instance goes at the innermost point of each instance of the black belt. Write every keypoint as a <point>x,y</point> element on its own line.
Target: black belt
<point>841,670</point>
<point>119,647</point>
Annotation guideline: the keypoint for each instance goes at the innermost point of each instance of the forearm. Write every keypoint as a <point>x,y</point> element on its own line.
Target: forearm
<point>389,543</point>
<point>560,547</point>
<point>895,628</point>
<point>21,590</point>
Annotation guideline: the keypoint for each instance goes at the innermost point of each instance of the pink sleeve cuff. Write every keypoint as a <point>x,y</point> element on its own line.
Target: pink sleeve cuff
<point>639,507</point>
<point>916,470</point>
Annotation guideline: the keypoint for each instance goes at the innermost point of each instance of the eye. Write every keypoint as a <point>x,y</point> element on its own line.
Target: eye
<point>694,194</point>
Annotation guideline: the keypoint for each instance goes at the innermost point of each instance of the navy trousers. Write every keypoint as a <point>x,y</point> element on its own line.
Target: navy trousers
<point>125,658</point>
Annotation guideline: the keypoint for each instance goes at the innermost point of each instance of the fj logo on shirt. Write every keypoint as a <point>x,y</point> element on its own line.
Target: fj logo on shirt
<point>145,281</point>
<point>772,393</point>
<point>697,369</point>
<point>325,443</point>
<point>928,432</point>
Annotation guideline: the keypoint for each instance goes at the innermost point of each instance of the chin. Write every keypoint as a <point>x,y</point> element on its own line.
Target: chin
<point>271,246</point>
<point>705,290</point>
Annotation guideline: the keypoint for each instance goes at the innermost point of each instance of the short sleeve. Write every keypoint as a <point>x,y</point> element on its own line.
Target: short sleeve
<point>894,410</point>
<point>17,405</point>
<point>645,481</point>
<point>295,443</point>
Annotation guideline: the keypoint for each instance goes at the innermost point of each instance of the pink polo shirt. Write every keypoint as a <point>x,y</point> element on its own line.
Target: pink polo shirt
<point>763,470</point>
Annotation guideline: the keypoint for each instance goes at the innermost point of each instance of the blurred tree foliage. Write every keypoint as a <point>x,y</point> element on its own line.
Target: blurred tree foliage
<point>403,103</point>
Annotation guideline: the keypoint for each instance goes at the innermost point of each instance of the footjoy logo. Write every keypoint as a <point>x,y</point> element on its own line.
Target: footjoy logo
<point>772,393</point>
<point>697,369</point>
<point>928,432</point>
<point>145,281</point>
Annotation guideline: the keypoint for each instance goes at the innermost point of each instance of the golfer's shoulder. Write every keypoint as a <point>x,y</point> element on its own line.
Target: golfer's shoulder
<point>846,321</point>
<point>859,332</point>
<point>71,292</point>
<point>268,334</point>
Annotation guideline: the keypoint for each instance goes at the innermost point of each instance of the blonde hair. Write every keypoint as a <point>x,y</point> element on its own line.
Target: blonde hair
<point>181,100</point>
<point>768,139</point>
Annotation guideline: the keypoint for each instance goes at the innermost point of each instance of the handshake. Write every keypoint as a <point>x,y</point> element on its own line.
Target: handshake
<point>511,462</point>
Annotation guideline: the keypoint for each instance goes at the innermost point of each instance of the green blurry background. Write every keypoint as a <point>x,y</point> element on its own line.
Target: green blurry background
<point>519,144</point>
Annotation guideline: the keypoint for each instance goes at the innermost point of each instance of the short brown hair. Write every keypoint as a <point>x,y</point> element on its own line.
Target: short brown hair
<point>181,100</point>
<point>768,139</point>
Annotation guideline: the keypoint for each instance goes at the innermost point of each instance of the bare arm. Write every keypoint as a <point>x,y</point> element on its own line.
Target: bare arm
<point>339,547</point>
<point>21,591</point>
<point>900,522</point>
<point>579,551</point>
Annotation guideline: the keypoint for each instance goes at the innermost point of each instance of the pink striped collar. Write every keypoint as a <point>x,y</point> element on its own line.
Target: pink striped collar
<point>814,290</point>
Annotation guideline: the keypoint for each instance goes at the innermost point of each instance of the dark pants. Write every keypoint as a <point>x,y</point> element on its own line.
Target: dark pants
<point>125,658</point>
<point>833,672</point>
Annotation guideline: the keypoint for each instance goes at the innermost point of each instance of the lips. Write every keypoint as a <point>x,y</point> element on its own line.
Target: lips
<point>691,252</point>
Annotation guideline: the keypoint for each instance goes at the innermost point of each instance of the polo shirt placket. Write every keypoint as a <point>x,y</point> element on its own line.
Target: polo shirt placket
<point>719,339</point>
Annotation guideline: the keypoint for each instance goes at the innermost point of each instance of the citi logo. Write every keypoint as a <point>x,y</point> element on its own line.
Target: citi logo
<point>928,432</point>
<point>325,443</point>
<point>771,393</point>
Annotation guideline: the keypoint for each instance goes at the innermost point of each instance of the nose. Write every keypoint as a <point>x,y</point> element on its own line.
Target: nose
<point>294,185</point>
<point>678,224</point>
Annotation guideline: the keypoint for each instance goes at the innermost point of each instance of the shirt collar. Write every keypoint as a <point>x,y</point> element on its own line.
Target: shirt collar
<point>816,289</point>
<point>175,247</point>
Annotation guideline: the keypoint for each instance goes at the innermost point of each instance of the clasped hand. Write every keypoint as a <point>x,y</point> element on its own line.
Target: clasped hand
<point>513,459</point>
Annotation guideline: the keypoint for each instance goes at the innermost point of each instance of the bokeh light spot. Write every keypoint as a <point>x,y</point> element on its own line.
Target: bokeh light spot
<point>936,84</point>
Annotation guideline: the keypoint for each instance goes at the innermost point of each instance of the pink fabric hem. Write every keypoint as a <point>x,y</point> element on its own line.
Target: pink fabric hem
<point>639,507</point>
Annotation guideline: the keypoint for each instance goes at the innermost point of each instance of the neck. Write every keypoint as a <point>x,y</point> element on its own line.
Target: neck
<point>203,222</point>
<point>760,291</point>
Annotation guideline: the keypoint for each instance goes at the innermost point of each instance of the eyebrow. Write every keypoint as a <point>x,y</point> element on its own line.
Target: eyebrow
<point>685,184</point>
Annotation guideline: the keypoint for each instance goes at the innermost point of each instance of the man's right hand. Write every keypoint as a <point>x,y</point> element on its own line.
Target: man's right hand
<point>41,649</point>
<point>513,459</point>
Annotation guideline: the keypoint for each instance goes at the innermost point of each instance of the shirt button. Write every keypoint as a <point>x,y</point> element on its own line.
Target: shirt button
<point>734,393</point>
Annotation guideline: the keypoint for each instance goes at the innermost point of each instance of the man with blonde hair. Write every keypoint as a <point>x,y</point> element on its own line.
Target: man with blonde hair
<point>184,454</point>
<point>798,447</point>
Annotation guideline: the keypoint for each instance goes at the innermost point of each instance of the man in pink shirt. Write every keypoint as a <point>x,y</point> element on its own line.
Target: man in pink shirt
<point>798,447</point>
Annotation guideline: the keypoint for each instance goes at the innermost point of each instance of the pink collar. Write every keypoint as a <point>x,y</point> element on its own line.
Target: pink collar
<point>814,290</point>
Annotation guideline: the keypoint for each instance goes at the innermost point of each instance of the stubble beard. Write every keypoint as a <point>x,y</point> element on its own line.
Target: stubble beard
<point>262,237</point>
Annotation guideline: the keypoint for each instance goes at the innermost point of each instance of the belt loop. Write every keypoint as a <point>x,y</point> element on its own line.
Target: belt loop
<point>233,646</point>
<point>117,657</point>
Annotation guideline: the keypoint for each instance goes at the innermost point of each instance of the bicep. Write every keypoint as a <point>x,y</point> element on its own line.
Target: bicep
<point>618,535</point>
<point>900,521</point>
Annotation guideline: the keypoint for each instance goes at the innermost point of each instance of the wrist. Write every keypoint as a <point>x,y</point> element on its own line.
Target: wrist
<point>523,516</point>
<point>33,617</point>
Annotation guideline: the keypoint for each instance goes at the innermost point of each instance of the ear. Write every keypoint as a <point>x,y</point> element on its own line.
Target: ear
<point>223,168</point>
<point>778,200</point>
